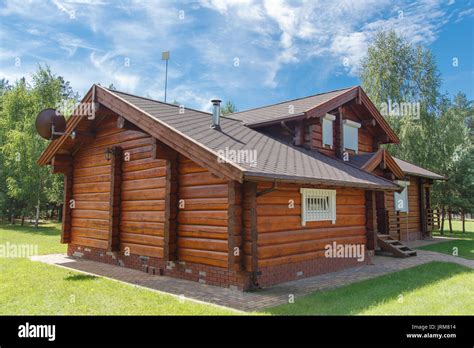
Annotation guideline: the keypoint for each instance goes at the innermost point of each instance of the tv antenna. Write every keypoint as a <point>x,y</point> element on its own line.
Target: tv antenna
<point>166,57</point>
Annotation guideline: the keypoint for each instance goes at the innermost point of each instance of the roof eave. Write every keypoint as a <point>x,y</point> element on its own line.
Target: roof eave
<point>437,177</point>
<point>258,177</point>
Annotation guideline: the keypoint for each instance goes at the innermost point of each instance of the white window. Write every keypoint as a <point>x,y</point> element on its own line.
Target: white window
<point>318,205</point>
<point>327,129</point>
<point>401,199</point>
<point>351,135</point>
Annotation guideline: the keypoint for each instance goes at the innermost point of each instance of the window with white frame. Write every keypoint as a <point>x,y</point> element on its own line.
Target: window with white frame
<point>401,199</point>
<point>327,129</point>
<point>351,135</point>
<point>318,205</point>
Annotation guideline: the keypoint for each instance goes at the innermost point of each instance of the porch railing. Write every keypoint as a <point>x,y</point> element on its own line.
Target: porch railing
<point>431,219</point>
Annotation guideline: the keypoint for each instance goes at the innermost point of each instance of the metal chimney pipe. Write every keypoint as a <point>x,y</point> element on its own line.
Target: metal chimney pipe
<point>216,113</point>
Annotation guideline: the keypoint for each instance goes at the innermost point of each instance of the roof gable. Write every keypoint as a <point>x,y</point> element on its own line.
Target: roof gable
<point>312,107</point>
<point>190,134</point>
<point>370,161</point>
<point>383,158</point>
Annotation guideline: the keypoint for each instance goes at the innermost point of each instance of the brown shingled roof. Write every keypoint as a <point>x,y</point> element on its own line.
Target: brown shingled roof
<point>408,168</point>
<point>275,160</point>
<point>412,169</point>
<point>285,109</point>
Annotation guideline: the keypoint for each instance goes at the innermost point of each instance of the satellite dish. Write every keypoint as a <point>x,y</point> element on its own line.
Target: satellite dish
<point>50,124</point>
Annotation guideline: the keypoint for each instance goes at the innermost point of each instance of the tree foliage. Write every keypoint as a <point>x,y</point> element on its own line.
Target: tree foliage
<point>438,136</point>
<point>27,185</point>
<point>228,108</point>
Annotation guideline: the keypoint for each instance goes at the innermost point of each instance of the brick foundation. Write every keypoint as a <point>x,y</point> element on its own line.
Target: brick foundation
<point>283,273</point>
<point>217,276</point>
<point>191,271</point>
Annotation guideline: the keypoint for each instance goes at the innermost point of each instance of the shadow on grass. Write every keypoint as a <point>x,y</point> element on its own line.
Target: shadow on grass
<point>47,229</point>
<point>80,277</point>
<point>356,298</point>
<point>468,235</point>
<point>464,248</point>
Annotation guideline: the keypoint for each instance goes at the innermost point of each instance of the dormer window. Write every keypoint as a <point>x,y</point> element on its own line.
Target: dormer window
<point>351,135</point>
<point>327,130</point>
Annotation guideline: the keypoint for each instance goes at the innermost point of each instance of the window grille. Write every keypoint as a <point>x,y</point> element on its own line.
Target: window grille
<point>318,205</point>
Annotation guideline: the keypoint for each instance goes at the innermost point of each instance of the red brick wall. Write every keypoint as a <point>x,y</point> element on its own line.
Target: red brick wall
<point>292,271</point>
<point>185,270</point>
<point>215,275</point>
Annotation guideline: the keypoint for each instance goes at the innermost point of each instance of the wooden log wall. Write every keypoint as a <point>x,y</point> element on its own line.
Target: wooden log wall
<point>116,157</point>
<point>165,206</point>
<point>235,224</point>
<point>249,230</point>
<point>142,194</point>
<point>171,210</point>
<point>315,137</point>
<point>410,223</point>
<point>281,237</point>
<point>366,138</point>
<point>67,212</point>
<point>371,219</point>
<point>202,232</point>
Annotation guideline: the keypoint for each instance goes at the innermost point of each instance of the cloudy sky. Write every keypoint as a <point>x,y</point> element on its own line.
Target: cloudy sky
<point>250,52</point>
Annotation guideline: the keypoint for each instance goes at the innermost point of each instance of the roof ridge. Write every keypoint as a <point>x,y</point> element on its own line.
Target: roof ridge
<point>154,100</point>
<point>295,99</point>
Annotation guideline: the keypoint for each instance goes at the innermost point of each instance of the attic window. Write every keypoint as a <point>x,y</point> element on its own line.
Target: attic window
<point>318,205</point>
<point>351,135</point>
<point>401,199</point>
<point>327,129</point>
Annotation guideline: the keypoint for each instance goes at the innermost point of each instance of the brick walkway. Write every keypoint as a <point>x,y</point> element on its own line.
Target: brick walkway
<point>249,301</point>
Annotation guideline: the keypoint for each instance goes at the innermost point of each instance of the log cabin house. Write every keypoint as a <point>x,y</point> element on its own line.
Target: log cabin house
<point>159,187</point>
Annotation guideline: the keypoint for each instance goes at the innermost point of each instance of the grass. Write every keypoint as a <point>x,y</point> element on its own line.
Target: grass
<point>46,237</point>
<point>463,245</point>
<point>436,288</point>
<point>34,288</point>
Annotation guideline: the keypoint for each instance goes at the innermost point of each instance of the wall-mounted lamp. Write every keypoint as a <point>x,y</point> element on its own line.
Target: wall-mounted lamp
<point>109,152</point>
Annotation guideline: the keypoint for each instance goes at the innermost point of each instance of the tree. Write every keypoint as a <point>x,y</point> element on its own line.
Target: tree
<point>462,182</point>
<point>28,186</point>
<point>395,72</point>
<point>228,108</point>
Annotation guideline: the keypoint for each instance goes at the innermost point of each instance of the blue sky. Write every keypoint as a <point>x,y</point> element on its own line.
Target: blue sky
<point>251,52</point>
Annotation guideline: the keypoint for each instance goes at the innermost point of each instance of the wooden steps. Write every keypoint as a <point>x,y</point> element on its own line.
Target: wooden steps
<point>393,246</point>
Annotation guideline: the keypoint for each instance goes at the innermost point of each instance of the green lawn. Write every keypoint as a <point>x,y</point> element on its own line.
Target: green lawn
<point>463,245</point>
<point>46,237</point>
<point>34,288</point>
<point>436,288</point>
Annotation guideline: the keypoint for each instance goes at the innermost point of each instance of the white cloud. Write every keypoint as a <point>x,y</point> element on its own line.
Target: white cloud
<point>265,36</point>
